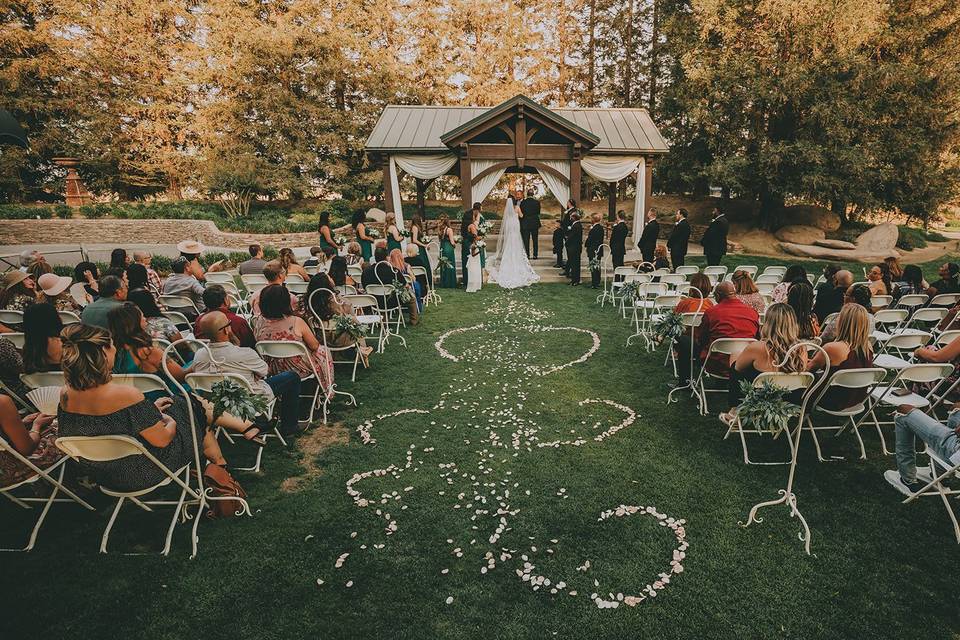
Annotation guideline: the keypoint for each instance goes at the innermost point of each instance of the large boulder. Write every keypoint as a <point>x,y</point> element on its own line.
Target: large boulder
<point>826,253</point>
<point>800,233</point>
<point>376,215</point>
<point>835,244</point>
<point>810,216</point>
<point>880,239</point>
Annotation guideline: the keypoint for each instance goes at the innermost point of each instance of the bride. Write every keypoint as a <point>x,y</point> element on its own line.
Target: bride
<point>509,266</point>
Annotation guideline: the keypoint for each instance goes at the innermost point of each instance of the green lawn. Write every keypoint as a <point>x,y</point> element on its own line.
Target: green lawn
<point>879,569</point>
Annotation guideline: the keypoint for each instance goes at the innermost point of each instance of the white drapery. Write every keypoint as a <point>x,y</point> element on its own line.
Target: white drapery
<point>482,187</point>
<point>424,167</point>
<point>559,189</point>
<point>616,168</point>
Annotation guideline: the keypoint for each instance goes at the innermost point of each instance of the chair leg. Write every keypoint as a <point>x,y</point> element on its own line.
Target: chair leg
<point>950,513</point>
<point>883,440</point>
<point>46,509</point>
<point>106,532</point>
<point>856,431</point>
<point>816,440</point>
<point>17,501</point>
<point>176,513</point>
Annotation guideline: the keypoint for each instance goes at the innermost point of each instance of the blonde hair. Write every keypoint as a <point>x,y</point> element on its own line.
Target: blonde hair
<point>389,219</point>
<point>286,258</point>
<point>84,361</point>
<point>743,283</point>
<point>853,328</point>
<point>778,334</point>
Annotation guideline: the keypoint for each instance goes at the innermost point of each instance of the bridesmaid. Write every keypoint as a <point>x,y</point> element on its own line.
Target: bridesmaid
<point>416,233</point>
<point>326,234</point>
<point>480,220</point>
<point>468,232</point>
<point>394,239</point>
<point>448,275</point>
<point>366,242</point>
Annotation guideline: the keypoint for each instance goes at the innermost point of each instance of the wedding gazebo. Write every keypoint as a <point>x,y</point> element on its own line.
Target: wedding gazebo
<point>480,144</point>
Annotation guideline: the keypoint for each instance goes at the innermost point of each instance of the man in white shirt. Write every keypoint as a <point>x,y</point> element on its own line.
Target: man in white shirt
<point>230,358</point>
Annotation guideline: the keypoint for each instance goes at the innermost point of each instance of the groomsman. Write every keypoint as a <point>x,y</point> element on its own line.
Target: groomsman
<point>530,223</point>
<point>679,238</point>
<point>715,238</point>
<point>594,249</point>
<point>618,239</point>
<point>648,239</point>
<point>574,248</point>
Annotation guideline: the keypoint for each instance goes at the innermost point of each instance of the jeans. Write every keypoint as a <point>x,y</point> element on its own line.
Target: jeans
<point>941,439</point>
<point>286,387</point>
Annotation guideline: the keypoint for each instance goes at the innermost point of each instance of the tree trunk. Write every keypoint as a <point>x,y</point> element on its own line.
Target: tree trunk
<point>592,56</point>
<point>628,62</point>
<point>839,207</point>
<point>654,62</point>
<point>770,205</point>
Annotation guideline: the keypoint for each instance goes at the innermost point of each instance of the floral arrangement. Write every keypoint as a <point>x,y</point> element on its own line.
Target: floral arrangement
<point>373,233</point>
<point>668,326</point>
<point>483,228</point>
<point>765,407</point>
<point>630,290</point>
<point>228,396</point>
<point>425,239</point>
<point>344,324</point>
<point>443,263</point>
<point>457,239</point>
<point>340,239</point>
<point>404,233</point>
<point>480,244</point>
<point>596,263</point>
<point>402,291</point>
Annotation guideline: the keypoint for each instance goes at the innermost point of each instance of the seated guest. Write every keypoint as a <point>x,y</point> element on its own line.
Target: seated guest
<point>91,405</point>
<point>660,260</point>
<point>380,272</point>
<point>778,334</point>
<point>135,351</point>
<point>893,266</point>
<point>153,278</point>
<point>354,254</point>
<point>830,294</point>
<point>912,423</point>
<point>318,281</point>
<point>216,298</point>
<point>278,322</point>
<point>29,257</point>
<point>697,296</point>
<point>11,366</point>
<point>794,273</point>
<point>395,259</point>
<point>289,263</point>
<point>414,259</point>
<point>230,357</point>
<point>158,325</point>
<point>879,279</point>
<point>34,437</point>
<point>911,282</point>
<point>338,273</point>
<point>949,273</point>
<point>113,292</point>
<point>89,275</point>
<point>274,272</point>
<point>800,299</point>
<point>41,338</point>
<point>190,251</point>
<point>19,291</point>
<point>325,306</point>
<point>857,294</point>
<point>850,349</point>
<point>54,290</point>
<point>183,283</point>
<point>316,255</point>
<point>747,292</point>
<point>38,269</point>
<point>255,264</point>
<point>118,262</point>
<point>729,318</point>
<point>137,278</point>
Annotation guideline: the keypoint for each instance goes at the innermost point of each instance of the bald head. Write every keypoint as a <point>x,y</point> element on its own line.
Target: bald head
<point>724,290</point>
<point>212,326</point>
<point>843,278</point>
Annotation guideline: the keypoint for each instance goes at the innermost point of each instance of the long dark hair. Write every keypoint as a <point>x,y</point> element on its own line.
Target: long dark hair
<point>145,302</point>
<point>324,219</point>
<point>800,298</point>
<point>40,323</point>
<point>417,221</point>
<point>320,303</point>
<point>913,276</point>
<point>794,273</point>
<point>275,302</point>
<point>79,277</point>
<point>136,276</point>
<point>118,259</point>
<point>359,217</point>
<point>125,328</point>
<point>337,272</point>
<point>465,223</point>
<point>885,276</point>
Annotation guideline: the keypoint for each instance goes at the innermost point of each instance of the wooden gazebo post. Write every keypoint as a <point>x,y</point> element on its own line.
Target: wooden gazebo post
<point>387,186</point>
<point>466,184</point>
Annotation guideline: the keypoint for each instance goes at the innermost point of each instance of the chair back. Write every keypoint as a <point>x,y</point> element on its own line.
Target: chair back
<point>297,288</point>
<point>312,270</point>
<point>718,271</point>
<point>666,301</point>
<point>890,316</point>
<point>686,270</point>
<point>293,277</point>
<point>929,314</point>
<point>879,302</point>
<point>908,341</point>
<point>945,300</point>
<point>913,300</point>
<point>145,382</point>
<point>418,271</point>
<point>673,279</point>
<point>947,337</point>
<point>355,271</point>
<point>205,381</point>
<point>361,300</point>
<point>766,288</point>
<point>218,277</point>
<point>18,339</point>
<point>749,268</point>
<point>787,381</point>
<point>346,289</point>
<point>729,346</point>
<point>281,349</point>
<point>178,302</point>
<point>925,373</point>
<point>68,317</point>
<point>691,318</point>
<point>43,379</point>
<point>11,316</point>
<point>100,448</point>
<point>253,278</point>
<point>633,276</point>
<point>857,378</point>
<point>775,269</point>
<point>767,278</point>
<point>176,318</point>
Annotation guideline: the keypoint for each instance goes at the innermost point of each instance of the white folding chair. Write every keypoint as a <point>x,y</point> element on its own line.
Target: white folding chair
<point>297,288</point>
<point>36,477</point>
<point>389,308</point>
<point>431,295</point>
<point>673,279</point>
<point>946,337</point>
<point>881,302</point>
<point>253,278</point>
<point>728,347</point>
<point>639,279</point>
<point>606,262</point>
<point>115,447</point>
<point>293,277</point>
<point>178,319</point>
<point>912,300</point>
<point>662,305</point>
<point>775,269</point>
<point>766,288</point>
<point>642,306</point>
<point>11,317</point>
<point>68,317</point>
<point>281,349</point>
<point>718,271</point>
<point>898,350</point>
<point>218,277</point>
<point>205,382</point>
<point>346,289</point>
<point>145,382</point>
<point>43,379</point>
<point>848,380</point>
<point>687,269</point>
<point>945,300</point>
<point>887,321</point>
<point>768,278</point>
<point>355,271</point>
<point>789,382</point>
<point>940,470</point>
<point>18,339</point>
<point>182,304</point>
<point>323,326</point>
<point>924,319</point>
<point>365,307</point>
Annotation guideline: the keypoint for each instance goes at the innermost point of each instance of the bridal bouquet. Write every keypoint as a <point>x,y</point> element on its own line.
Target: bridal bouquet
<point>405,233</point>
<point>457,239</point>
<point>404,294</point>
<point>480,244</point>
<point>348,325</point>
<point>427,239</point>
<point>373,233</point>
<point>340,239</point>
<point>765,407</point>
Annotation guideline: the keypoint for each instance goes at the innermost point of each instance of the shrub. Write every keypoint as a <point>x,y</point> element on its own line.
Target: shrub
<point>161,264</point>
<point>63,212</point>
<point>912,238</point>
<point>94,211</point>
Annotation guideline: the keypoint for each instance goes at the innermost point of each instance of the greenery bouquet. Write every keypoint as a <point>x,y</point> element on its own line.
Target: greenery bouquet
<point>765,407</point>
<point>231,397</point>
<point>344,324</point>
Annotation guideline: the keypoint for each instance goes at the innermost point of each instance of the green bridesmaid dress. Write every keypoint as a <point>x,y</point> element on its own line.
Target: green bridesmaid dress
<point>366,246</point>
<point>323,244</point>
<point>393,244</point>
<point>448,275</point>
<point>425,261</point>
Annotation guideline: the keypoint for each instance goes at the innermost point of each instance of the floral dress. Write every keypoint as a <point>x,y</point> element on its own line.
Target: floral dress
<point>286,329</point>
<point>13,471</point>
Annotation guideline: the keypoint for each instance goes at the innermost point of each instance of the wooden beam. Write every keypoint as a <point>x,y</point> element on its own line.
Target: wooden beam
<point>648,183</point>
<point>611,201</point>
<point>387,189</point>
<point>542,168</point>
<point>520,141</point>
<point>420,190</point>
<point>466,186</point>
<point>508,131</point>
<point>532,131</point>
<point>490,151</point>
<point>575,175</point>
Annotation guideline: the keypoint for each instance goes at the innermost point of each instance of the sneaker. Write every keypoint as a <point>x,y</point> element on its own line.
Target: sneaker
<point>906,488</point>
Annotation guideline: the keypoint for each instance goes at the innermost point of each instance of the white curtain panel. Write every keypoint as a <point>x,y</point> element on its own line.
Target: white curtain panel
<point>426,167</point>
<point>557,187</point>
<point>616,168</point>
<point>482,188</point>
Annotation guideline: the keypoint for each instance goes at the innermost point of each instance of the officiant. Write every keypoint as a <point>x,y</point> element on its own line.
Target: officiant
<point>530,223</point>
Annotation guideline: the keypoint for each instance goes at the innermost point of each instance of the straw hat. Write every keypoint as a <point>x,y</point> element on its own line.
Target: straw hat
<point>53,285</point>
<point>190,246</point>
<point>11,278</point>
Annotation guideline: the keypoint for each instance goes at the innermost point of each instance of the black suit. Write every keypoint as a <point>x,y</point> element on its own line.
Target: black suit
<point>530,225</point>
<point>715,240</point>
<point>565,223</point>
<point>648,240</point>
<point>677,242</point>
<point>593,244</point>
<point>618,243</point>
<point>574,249</point>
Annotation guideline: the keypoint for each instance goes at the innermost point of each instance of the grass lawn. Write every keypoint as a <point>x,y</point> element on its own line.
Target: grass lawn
<point>471,469</point>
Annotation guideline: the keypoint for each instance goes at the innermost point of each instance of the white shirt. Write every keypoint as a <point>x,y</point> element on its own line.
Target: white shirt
<point>241,360</point>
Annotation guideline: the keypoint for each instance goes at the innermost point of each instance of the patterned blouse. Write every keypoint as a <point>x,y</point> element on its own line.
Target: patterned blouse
<point>286,329</point>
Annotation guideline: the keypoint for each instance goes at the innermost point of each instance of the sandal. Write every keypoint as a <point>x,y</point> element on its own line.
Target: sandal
<point>254,438</point>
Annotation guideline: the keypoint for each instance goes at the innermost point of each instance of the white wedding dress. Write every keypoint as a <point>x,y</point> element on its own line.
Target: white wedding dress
<point>509,266</point>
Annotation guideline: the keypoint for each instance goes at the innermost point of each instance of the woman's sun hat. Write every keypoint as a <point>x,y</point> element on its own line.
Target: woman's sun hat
<point>53,285</point>
<point>191,247</point>
<point>13,278</point>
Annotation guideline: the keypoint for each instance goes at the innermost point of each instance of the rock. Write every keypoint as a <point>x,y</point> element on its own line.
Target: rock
<point>835,244</point>
<point>800,233</point>
<point>826,253</point>
<point>880,239</point>
<point>810,216</point>
<point>753,240</point>
<point>377,215</point>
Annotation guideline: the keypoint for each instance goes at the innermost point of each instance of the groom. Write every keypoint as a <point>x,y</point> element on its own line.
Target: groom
<point>530,223</point>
